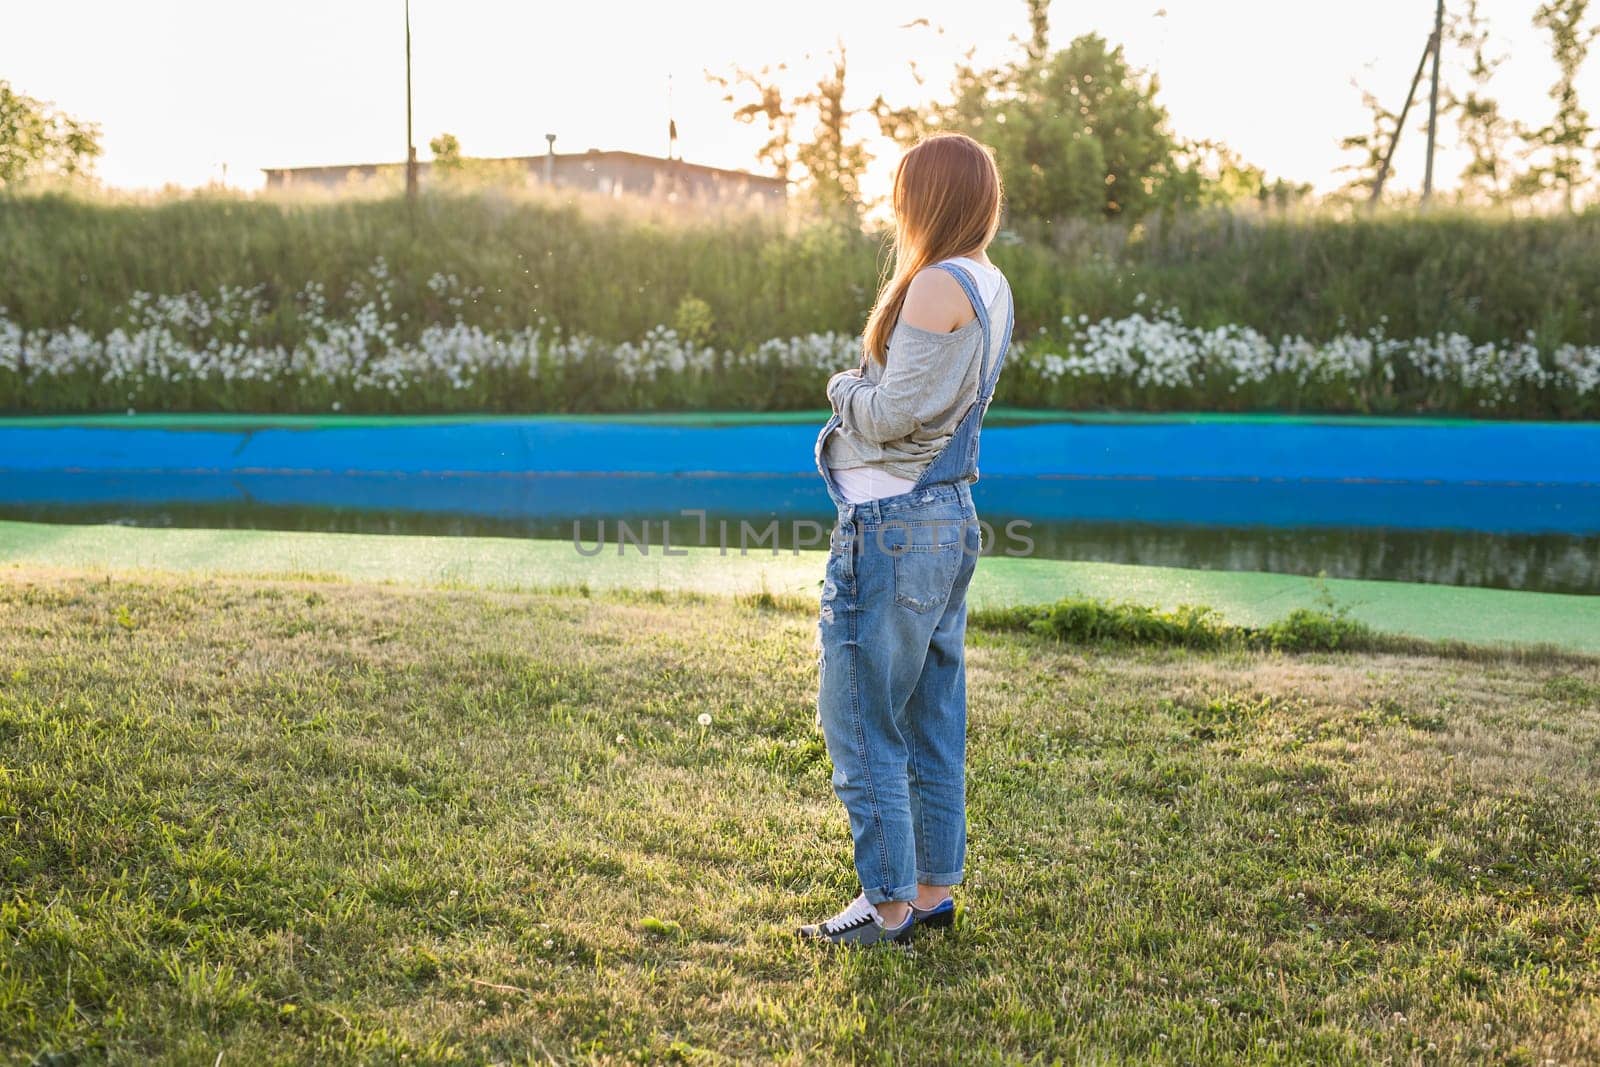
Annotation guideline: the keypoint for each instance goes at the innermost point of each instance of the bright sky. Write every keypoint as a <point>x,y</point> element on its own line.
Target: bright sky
<point>184,87</point>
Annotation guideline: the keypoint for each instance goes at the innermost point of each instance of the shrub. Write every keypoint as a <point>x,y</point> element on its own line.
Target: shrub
<point>1308,630</point>
<point>1092,621</point>
<point>1086,621</point>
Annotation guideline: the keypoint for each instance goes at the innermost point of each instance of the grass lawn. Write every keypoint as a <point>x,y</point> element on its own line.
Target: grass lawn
<point>317,821</point>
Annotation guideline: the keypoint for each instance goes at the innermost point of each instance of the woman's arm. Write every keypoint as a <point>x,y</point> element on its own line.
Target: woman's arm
<point>853,372</point>
<point>935,306</point>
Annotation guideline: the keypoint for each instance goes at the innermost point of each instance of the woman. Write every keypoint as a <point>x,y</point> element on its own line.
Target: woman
<point>898,457</point>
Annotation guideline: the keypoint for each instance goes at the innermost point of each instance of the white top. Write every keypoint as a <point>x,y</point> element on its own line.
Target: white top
<point>860,484</point>
<point>986,275</point>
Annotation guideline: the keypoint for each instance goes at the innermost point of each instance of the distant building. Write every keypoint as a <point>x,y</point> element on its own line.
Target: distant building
<point>607,173</point>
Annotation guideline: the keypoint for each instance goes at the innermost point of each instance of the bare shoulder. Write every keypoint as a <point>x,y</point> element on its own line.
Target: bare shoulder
<point>935,301</point>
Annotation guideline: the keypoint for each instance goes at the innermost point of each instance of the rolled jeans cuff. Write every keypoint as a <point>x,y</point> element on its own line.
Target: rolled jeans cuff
<point>878,896</point>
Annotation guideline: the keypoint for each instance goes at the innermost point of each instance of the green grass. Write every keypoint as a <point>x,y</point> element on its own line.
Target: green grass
<point>1089,621</point>
<point>539,304</point>
<point>615,273</point>
<point>310,821</point>
<point>1095,622</point>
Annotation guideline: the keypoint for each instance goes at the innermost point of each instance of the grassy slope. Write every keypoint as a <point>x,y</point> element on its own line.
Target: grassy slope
<point>615,272</point>
<point>1438,612</point>
<point>311,821</point>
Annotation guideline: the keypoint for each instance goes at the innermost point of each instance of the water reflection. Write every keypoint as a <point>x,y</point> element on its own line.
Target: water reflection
<point>1512,537</point>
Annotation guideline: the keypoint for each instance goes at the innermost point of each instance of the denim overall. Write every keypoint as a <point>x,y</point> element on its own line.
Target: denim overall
<point>891,693</point>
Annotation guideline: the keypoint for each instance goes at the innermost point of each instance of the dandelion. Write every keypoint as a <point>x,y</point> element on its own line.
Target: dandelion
<point>705,718</point>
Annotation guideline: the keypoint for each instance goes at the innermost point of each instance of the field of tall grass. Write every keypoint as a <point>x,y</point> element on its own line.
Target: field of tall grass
<point>500,302</point>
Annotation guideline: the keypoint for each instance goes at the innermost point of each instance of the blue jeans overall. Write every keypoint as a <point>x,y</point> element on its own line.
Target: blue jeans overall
<point>891,693</point>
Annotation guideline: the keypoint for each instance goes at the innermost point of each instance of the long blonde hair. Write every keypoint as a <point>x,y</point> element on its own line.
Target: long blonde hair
<point>946,201</point>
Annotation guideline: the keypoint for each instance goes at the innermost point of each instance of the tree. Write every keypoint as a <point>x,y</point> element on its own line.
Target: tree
<point>832,161</point>
<point>1038,43</point>
<point>1210,174</point>
<point>1485,132</point>
<point>446,151</point>
<point>1373,146</point>
<point>770,106</point>
<point>38,140</point>
<point>1565,139</point>
<point>1077,132</point>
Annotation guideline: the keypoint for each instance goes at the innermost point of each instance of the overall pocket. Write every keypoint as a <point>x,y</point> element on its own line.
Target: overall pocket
<point>927,555</point>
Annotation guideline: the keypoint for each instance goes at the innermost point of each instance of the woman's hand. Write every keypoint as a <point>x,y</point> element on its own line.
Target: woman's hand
<point>899,401</point>
<point>853,372</point>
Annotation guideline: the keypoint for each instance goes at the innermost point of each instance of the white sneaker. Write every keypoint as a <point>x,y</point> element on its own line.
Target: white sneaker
<point>858,924</point>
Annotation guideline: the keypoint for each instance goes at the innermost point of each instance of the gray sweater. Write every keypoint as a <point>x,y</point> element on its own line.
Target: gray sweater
<point>899,414</point>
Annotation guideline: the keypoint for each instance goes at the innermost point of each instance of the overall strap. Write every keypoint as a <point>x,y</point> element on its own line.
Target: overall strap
<point>957,461</point>
<point>987,386</point>
<point>970,286</point>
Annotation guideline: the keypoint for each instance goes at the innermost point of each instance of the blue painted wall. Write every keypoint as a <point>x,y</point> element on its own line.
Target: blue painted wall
<point>1506,477</point>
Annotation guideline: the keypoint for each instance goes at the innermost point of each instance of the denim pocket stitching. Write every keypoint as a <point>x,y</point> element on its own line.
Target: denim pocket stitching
<point>948,566</point>
<point>947,531</point>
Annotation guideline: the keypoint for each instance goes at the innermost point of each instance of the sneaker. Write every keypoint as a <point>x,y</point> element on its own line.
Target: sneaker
<point>941,914</point>
<point>858,924</point>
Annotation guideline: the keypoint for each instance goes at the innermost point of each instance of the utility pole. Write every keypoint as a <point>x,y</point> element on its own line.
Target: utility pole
<point>672,122</point>
<point>1433,100</point>
<point>411,147</point>
<point>1430,49</point>
<point>1399,128</point>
